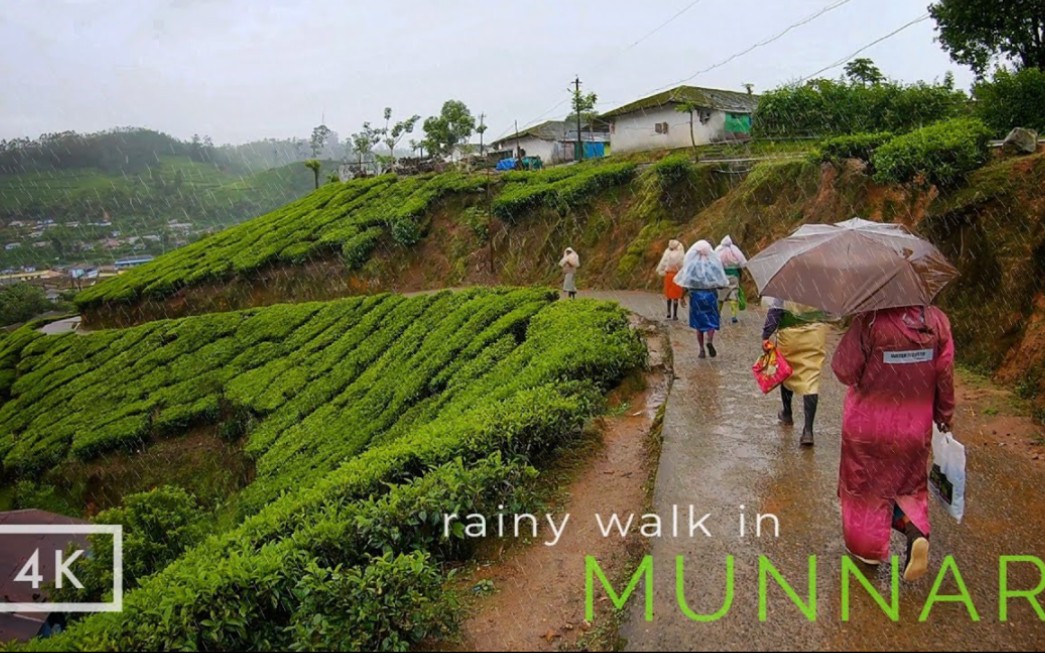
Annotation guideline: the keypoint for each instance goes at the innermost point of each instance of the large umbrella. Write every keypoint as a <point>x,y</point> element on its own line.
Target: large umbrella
<point>851,267</point>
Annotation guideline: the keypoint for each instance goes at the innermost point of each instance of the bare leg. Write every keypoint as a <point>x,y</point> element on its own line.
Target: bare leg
<point>700,340</point>
<point>711,344</point>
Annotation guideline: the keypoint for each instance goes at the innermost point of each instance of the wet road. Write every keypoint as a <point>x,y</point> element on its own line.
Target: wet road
<point>724,454</point>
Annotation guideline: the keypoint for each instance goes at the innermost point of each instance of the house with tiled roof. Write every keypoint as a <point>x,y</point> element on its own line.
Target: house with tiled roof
<point>656,122</point>
<point>554,141</point>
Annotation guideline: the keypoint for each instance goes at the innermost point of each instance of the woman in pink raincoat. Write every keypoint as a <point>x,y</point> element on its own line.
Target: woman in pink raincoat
<point>899,366</point>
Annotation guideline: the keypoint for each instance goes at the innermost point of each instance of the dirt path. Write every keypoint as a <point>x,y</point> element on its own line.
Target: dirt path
<point>537,600</point>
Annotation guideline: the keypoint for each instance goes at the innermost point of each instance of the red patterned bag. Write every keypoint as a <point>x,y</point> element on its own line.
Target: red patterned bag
<point>771,369</point>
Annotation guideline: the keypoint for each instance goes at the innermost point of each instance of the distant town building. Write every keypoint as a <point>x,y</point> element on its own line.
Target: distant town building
<point>132,262</point>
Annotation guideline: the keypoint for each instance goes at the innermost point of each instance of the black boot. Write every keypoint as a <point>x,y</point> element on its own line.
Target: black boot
<point>917,553</point>
<point>675,309</point>
<point>785,415</point>
<point>670,302</point>
<point>809,403</point>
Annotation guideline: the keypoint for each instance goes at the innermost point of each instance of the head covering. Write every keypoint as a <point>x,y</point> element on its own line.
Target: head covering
<point>730,254</point>
<point>701,269</point>
<point>570,258</point>
<point>672,258</point>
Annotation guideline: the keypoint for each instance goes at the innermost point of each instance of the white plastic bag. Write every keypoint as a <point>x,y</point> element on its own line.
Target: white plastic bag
<point>947,478</point>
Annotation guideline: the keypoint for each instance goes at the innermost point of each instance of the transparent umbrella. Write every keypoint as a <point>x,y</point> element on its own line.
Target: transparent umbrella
<point>852,267</point>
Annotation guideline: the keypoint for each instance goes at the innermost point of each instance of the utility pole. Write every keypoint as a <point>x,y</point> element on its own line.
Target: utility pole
<point>577,108</point>
<point>518,152</point>
<point>481,130</point>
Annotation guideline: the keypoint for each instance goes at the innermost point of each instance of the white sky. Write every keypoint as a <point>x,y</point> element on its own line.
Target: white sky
<point>239,70</point>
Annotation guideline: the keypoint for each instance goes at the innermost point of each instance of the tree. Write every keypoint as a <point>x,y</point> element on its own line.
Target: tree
<point>979,32</point>
<point>453,125</point>
<point>691,108</point>
<point>481,129</point>
<point>319,140</point>
<point>313,165</point>
<point>363,142</point>
<point>393,135</point>
<point>22,302</point>
<point>583,113</point>
<point>863,71</point>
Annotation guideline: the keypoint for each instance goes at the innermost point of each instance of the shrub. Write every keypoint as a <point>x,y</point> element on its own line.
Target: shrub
<point>943,152</point>
<point>1012,100</point>
<point>854,146</point>
<point>673,169</point>
<point>826,107</point>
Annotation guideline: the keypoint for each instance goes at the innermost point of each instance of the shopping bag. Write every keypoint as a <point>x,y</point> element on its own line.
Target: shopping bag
<point>741,298</point>
<point>771,369</point>
<point>947,478</point>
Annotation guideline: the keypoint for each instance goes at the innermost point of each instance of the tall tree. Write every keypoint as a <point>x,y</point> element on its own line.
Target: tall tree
<point>453,125</point>
<point>863,71</point>
<point>481,129</point>
<point>979,32</point>
<point>319,140</point>
<point>690,107</point>
<point>313,165</point>
<point>363,142</point>
<point>21,302</point>
<point>392,135</point>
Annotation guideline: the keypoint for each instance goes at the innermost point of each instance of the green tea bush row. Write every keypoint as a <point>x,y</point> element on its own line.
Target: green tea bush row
<point>557,189</point>
<point>852,146</point>
<point>943,153</point>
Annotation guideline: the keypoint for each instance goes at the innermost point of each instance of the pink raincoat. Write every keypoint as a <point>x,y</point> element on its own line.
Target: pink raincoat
<point>900,371</point>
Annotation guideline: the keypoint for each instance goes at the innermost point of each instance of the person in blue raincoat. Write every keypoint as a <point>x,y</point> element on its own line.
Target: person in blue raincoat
<point>703,276</point>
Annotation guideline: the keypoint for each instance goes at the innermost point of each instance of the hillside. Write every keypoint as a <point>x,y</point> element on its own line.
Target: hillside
<point>450,230</point>
<point>357,415</point>
<point>89,214</point>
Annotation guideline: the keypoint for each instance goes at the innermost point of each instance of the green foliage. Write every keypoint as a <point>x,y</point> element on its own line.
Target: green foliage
<point>944,153</point>
<point>673,169</point>
<point>348,218</point>
<point>478,221</point>
<point>854,146</point>
<point>453,125</point>
<point>1012,100</point>
<point>978,32</point>
<point>21,302</point>
<point>558,188</point>
<point>825,107</point>
<point>158,526</point>
<point>368,419</point>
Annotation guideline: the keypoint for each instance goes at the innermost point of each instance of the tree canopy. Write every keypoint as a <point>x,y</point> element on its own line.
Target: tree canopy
<point>978,33</point>
<point>453,125</point>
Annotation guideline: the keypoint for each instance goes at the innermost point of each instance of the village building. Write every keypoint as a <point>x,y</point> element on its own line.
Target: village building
<point>554,141</point>
<point>662,121</point>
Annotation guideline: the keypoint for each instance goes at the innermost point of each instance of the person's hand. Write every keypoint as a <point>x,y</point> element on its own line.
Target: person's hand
<point>767,345</point>
<point>945,427</point>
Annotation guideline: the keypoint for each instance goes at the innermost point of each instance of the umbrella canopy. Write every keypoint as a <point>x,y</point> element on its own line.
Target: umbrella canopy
<point>852,267</point>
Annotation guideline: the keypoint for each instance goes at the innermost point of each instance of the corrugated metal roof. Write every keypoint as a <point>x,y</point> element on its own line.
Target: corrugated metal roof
<point>711,98</point>
<point>552,130</point>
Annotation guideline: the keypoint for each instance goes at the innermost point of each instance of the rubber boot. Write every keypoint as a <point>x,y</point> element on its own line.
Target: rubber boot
<point>785,415</point>
<point>675,309</point>
<point>809,403</point>
<point>917,553</point>
<point>669,309</point>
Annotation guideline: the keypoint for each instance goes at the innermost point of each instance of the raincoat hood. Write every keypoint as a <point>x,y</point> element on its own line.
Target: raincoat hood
<point>730,254</point>
<point>570,258</point>
<point>702,269</point>
<point>672,259</point>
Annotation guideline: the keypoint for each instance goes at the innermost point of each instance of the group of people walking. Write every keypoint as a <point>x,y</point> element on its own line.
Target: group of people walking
<point>897,364</point>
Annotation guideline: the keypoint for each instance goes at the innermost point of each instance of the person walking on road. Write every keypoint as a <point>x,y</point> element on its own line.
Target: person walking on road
<point>702,274</point>
<point>733,261</point>
<point>670,263</point>
<point>569,264</point>
<point>899,366</point>
<point>802,340</point>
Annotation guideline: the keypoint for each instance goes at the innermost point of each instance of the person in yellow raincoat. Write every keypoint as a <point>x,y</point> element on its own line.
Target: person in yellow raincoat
<point>801,333</point>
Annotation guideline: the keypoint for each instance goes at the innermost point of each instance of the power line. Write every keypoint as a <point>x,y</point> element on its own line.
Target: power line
<point>808,19</point>
<point>891,34</point>
<point>610,58</point>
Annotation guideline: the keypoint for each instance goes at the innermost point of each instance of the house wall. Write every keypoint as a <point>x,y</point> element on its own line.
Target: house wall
<point>636,132</point>
<point>532,146</point>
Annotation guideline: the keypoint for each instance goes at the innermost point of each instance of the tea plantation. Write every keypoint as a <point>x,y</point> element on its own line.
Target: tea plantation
<point>367,418</point>
<point>348,220</point>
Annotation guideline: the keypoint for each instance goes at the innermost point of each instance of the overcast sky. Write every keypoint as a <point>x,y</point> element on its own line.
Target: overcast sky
<point>239,70</point>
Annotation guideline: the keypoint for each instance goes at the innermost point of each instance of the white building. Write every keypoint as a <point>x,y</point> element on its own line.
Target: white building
<point>554,141</point>
<point>656,123</point>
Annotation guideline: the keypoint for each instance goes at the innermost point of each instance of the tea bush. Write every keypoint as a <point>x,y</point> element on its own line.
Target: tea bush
<point>943,153</point>
<point>853,146</point>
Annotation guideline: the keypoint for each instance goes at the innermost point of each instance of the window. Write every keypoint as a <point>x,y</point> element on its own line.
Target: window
<point>661,128</point>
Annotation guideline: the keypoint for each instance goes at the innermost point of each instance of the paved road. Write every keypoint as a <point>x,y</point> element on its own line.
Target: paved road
<point>723,450</point>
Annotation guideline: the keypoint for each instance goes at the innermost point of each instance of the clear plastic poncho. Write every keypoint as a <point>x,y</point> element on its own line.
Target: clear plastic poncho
<point>701,269</point>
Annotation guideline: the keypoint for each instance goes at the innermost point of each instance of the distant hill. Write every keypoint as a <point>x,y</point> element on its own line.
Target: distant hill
<point>70,198</point>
